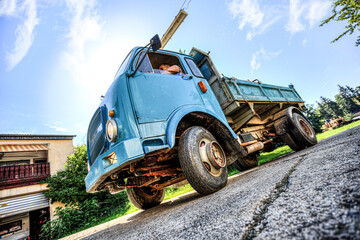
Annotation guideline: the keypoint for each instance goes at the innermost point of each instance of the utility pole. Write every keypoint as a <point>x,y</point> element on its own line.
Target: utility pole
<point>180,17</point>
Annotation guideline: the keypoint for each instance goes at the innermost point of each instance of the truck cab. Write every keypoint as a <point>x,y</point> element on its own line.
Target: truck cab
<point>156,127</point>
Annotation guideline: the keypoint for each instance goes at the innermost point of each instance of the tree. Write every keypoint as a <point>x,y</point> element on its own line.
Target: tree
<point>348,10</point>
<point>346,100</point>
<point>81,209</point>
<point>68,186</point>
<point>328,109</point>
<point>313,117</point>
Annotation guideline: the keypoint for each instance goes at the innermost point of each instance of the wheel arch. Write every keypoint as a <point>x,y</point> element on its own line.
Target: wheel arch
<point>186,118</point>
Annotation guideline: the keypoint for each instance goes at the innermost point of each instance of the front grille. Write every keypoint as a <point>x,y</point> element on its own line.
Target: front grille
<point>95,137</point>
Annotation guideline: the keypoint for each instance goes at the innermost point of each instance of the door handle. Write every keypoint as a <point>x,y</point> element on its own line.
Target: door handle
<point>187,77</point>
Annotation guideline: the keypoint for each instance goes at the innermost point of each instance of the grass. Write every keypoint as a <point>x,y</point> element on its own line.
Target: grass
<point>266,157</point>
<point>263,158</point>
<point>330,133</point>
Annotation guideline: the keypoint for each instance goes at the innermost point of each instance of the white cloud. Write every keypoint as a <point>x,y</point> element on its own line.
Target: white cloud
<point>7,8</point>
<point>24,32</point>
<point>251,17</point>
<point>317,12</point>
<point>254,63</point>
<point>92,66</point>
<point>57,128</point>
<point>257,16</point>
<point>261,29</point>
<point>312,11</point>
<point>248,12</point>
<point>304,42</point>
<point>294,25</point>
<point>84,27</point>
<point>260,55</point>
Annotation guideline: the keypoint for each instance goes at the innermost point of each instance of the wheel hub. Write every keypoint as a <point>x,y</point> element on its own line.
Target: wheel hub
<point>212,156</point>
<point>216,155</point>
<point>305,127</point>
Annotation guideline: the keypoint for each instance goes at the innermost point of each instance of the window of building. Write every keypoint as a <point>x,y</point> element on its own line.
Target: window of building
<point>23,158</point>
<point>14,163</point>
<point>40,160</point>
<point>10,227</point>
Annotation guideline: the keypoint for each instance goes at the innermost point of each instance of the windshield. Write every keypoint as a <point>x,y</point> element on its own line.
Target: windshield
<point>160,63</point>
<point>123,65</point>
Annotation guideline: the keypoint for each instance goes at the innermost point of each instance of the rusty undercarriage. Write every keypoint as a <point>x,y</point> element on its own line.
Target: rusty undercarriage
<point>161,168</point>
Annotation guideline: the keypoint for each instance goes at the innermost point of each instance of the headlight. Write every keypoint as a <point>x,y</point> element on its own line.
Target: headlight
<point>111,130</point>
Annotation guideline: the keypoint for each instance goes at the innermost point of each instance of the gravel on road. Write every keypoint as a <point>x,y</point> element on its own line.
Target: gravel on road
<point>311,194</point>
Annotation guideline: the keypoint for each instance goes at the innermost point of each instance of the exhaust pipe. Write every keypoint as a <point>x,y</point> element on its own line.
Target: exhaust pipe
<point>254,147</point>
<point>257,146</point>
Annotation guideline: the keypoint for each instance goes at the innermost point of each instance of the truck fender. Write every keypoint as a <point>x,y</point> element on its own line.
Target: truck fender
<point>180,113</point>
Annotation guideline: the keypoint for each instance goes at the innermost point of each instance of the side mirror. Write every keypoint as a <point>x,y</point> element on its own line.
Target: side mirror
<point>155,43</point>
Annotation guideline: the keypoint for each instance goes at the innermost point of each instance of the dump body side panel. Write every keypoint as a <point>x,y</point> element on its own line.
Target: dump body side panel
<point>242,100</point>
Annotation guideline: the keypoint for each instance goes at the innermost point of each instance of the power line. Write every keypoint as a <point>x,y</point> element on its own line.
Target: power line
<point>182,6</point>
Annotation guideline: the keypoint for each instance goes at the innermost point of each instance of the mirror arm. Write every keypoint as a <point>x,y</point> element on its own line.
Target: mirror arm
<point>137,67</point>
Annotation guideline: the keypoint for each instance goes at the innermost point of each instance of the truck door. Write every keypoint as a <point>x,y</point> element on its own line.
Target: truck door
<point>156,94</point>
<point>205,65</point>
<point>212,75</point>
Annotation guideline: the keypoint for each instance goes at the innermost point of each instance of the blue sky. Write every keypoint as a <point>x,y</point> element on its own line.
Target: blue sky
<point>59,57</point>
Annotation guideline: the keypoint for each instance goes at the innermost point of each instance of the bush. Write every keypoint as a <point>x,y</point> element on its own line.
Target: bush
<point>82,209</point>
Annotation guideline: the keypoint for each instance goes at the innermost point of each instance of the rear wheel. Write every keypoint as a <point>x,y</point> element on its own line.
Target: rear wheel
<point>299,132</point>
<point>291,143</point>
<point>145,197</point>
<point>303,132</point>
<point>202,160</point>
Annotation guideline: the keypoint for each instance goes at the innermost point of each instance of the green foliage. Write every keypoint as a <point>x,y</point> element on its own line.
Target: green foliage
<point>68,186</point>
<point>346,10</point>
<point>328,108</point>
<point>172,192</point>
<point>330,133</point>
<point>346,103</point>
<point>81,209</point>
<point>314,117</point>
<point>347,100</point>
<point>268,156</point>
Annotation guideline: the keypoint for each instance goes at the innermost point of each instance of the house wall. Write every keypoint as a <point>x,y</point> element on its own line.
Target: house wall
<point>58,152</point>
<point>23,233</point>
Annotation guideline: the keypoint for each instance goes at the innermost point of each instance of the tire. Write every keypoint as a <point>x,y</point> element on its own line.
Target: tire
<point>201,171</point>
<point>302,131</point>
<point>291,143</point>
<point>245,163</point>
<point>144,197</point>
<point>237,166</point>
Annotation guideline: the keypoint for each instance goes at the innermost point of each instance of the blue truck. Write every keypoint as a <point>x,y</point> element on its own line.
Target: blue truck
<point>169,117</point>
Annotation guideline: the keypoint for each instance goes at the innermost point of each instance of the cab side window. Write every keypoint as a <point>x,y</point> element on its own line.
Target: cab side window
<point>194,69</point>
<point>145,66</point>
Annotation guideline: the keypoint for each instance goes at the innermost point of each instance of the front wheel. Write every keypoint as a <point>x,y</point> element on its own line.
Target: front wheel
<point>145,197</point>
<point>202,160</point>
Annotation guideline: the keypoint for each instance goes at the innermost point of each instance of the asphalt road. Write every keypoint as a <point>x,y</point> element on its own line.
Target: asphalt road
<point>311,194</point>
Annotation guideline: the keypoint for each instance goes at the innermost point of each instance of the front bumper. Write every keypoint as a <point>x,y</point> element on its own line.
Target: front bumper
<point>126,151</point>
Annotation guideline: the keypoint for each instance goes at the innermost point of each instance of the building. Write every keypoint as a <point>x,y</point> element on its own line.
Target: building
<point>26,160</point>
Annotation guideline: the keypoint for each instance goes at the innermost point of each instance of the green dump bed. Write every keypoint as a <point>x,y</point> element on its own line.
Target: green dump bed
<point>243,100</point>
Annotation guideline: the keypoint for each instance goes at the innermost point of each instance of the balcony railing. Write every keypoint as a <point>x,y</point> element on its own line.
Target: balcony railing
<point>23,175</point>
